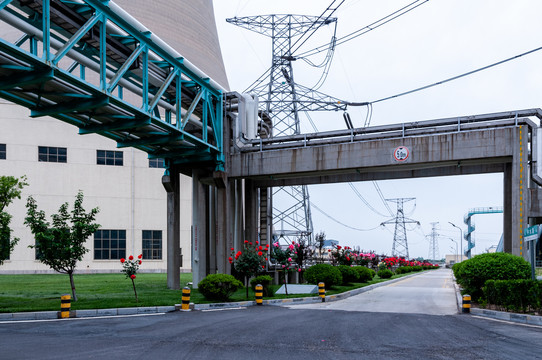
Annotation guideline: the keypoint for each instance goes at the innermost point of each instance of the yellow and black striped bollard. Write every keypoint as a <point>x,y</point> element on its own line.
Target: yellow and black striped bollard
<point>65,306</point>
<point>259,294</point>
<point>322,291</point>
<point>185,305</point>
<point>466,304</point>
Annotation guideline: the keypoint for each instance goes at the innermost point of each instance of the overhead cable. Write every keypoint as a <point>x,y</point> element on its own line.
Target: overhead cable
<point>366,29</point>
<point>452,78</point>
<point>339,222</point>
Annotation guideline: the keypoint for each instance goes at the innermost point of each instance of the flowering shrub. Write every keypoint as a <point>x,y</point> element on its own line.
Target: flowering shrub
<point>364,259</point>
<point>342,255</point>
<point>286,258</point>
<point>250,261</point>
<point>130,267</point>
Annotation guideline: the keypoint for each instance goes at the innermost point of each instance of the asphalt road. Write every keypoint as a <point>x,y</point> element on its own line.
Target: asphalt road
<point>431,293</point>
<point>273,333</point>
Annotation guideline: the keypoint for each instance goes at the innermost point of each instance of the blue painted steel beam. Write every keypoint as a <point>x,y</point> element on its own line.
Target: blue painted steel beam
<point>120,61</point>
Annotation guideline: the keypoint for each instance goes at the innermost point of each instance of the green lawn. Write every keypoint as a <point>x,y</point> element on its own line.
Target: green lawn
<point>42,292</point>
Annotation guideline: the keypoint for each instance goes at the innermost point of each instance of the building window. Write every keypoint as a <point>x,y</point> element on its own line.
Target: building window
<point>156,163</point>
<point>152,244</point>
<point>109,244</point>
<point>52,154</point>
<point>2,151</point>
<point>107,157</point>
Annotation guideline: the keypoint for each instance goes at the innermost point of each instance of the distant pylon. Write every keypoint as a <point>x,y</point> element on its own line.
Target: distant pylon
<point>400,244</point>
<point>433,243</point>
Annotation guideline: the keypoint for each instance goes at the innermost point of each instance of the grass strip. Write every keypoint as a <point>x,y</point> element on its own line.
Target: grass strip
<point>41,292</point>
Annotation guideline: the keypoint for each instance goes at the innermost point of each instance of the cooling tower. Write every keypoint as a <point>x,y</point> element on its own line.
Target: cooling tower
<point>188,26</point>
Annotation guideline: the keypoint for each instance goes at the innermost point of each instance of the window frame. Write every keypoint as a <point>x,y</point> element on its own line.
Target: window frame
<point>105,238</point>
<point>156,252</point>
<point>110,157</point>
<point>53,154</point>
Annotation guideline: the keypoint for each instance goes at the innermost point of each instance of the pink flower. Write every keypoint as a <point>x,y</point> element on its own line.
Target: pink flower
<point>290,259</point>
<point>276,244</point>
<point>291,247</point>
<point>283,266</point>
<point>299,270</point>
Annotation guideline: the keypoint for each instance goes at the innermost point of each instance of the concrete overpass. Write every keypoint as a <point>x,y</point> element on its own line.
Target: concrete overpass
<point>489,143</point>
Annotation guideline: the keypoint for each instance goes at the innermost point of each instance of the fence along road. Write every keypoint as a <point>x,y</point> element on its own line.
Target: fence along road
<point>430,293</point>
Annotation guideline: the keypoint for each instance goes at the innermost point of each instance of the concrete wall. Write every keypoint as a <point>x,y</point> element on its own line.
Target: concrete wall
<point>130,197</point>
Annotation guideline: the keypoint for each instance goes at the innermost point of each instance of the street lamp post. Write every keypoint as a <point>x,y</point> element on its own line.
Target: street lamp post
<point>455,248</point>
<point>460,238</point>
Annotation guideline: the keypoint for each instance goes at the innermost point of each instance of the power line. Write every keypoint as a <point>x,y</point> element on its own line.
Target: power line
<point>366,29</point>
<point>452,78</point>
<point>329,12</point>
<point>339,222</point>
<point>365,201</point>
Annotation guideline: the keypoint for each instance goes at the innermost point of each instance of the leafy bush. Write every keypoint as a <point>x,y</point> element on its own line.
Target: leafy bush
<point>456,268</point>
<point>403,269</point>
<point>348,273</point>
<point>515,295</point>
<point>365,274</point>
<point>219,286</point>
<point>385,273</point>
<point>325,273</point>
<point>473,274</point>
<point>417,268</point>
<point>264,280</point>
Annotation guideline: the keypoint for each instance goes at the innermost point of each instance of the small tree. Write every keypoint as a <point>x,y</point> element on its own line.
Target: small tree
<point>61,245</point>
<point>10,189</point>
<point>250,261</point>
<point>320,239</point>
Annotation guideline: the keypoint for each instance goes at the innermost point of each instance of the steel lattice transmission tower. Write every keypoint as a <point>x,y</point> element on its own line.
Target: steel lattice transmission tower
<point>282,101</point>
<point>400,244</point>
<point>433,242</point>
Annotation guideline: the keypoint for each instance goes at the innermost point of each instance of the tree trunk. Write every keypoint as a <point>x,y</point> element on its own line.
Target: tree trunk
<point>74,296</point>
<point>135,292</point>
<point>246,285</point>
<point>286,281</point>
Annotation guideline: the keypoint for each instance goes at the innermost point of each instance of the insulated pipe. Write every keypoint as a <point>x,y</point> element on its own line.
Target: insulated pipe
<point>83,60</point>
<point>168,49</point>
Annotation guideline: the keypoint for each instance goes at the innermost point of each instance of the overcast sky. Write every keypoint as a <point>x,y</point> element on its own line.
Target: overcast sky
<point>438,40</point>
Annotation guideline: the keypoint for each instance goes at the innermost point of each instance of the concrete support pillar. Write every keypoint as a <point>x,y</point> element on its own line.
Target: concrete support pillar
<point>224,226</point>
<point>516,180</point>
<point>252,209</point>
<point>507,218</point>
<point>171,184</point>
<point>212,231</point>
<point>199,229</point>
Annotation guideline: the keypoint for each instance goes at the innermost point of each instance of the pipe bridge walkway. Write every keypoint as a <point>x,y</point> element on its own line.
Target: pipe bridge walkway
<point>90,64</point>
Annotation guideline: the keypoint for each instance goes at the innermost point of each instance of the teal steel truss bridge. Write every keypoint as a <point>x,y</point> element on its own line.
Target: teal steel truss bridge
<point>90,64</point>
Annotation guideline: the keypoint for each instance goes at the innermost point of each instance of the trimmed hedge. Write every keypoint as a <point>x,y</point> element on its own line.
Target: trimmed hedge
<point>263,280</point>
<point>349,274</point>
<point>515,295</point>
<point>365,274</point>
<point>219,286</point>
<point>473,273</point>
<point>385,273</point>
<point>326,273</point>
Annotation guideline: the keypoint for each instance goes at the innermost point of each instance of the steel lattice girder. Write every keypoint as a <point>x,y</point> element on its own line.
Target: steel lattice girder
<point>169,110</point>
